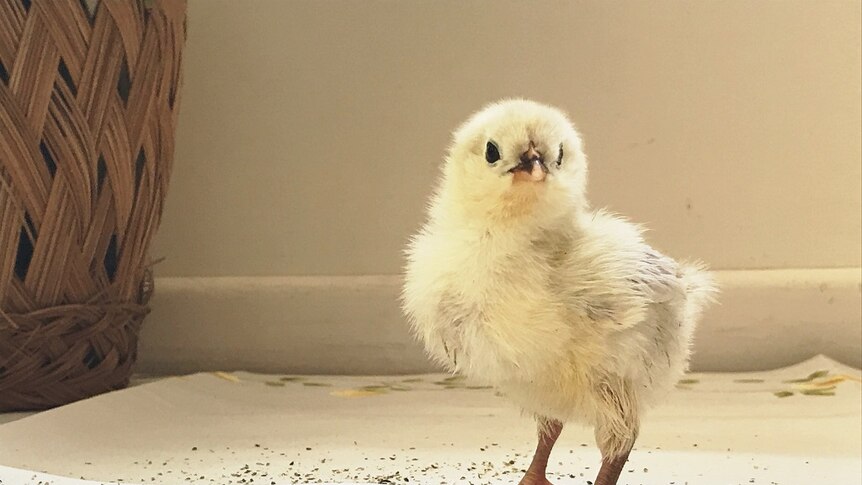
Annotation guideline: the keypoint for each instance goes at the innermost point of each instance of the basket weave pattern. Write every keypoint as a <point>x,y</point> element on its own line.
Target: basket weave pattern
<point>88,105</point>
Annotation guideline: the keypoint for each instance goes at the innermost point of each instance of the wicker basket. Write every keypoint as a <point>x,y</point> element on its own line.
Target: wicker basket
<point>88,105</point>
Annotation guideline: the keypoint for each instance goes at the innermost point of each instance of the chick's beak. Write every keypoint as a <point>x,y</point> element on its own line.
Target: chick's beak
<point>532,166</point>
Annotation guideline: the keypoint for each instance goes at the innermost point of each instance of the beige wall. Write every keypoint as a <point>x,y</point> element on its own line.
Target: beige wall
<point>311,132</point>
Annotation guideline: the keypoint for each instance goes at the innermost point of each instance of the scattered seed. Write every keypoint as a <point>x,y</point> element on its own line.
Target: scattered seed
<point>811,377</point>
<point>291,378</point>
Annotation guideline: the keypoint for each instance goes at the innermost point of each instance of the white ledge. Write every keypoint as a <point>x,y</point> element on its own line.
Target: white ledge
<point>353,324</point>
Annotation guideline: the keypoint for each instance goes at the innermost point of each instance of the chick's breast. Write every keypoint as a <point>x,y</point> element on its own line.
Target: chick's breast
<point>487,308</point>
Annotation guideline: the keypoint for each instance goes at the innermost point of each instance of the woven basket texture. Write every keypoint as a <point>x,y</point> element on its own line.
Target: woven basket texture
<point>88,106</point>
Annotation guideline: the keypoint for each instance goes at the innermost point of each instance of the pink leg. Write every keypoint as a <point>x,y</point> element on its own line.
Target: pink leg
<point>548,435</point>
<point>611,469</point>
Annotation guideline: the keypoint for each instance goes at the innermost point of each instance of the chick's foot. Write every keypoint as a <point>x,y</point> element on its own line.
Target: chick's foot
<point>530,479</point>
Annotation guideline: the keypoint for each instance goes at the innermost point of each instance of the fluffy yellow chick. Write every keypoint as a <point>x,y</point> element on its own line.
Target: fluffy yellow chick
<point>515,282</point>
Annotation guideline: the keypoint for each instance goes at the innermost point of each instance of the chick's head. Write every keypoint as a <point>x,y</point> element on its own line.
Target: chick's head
<point>516,159</point>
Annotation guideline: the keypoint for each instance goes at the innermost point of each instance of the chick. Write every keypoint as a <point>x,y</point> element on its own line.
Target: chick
<point>515,282</point>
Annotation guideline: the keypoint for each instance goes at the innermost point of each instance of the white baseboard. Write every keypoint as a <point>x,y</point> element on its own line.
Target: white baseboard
<point>353,324</point>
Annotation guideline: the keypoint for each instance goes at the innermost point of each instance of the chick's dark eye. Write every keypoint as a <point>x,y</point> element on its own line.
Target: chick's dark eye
<point>492,153</point>
<point>560,156</point>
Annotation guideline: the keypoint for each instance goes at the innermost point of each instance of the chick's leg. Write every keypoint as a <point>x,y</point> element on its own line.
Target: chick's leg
<point>611,469</point>
<point>616,430</point>
<point>549,431</point>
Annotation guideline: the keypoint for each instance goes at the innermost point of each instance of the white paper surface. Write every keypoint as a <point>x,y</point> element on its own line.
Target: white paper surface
<point>16,476</point>
<point>207,428</point>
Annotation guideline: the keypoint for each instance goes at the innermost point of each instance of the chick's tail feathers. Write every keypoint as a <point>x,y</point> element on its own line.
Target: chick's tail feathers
<point>700,289</point>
